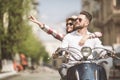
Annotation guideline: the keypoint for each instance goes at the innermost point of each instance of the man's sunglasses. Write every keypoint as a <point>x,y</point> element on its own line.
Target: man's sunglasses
<point>78,19</point>
<point>69,24</point>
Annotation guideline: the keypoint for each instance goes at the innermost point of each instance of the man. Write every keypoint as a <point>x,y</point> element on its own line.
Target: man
<point>23,61</point>
<point>81,26</point>
<point>73,39</point>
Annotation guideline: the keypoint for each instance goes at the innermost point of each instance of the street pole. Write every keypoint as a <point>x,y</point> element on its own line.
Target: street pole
<point>0,59</point>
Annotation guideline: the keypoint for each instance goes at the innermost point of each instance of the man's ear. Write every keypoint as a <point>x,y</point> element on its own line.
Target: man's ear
<point>87,23</point>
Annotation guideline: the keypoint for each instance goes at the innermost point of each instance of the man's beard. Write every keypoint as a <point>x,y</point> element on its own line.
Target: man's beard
<point>77,27</point>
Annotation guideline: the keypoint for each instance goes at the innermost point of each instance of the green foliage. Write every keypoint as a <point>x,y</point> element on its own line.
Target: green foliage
<point>33,48</point>
<point>1,28</point>
<point>19,36</point>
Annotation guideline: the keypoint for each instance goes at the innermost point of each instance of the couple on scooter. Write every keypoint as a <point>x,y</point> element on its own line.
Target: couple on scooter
<point>81,25</point>
<point>78,37</point>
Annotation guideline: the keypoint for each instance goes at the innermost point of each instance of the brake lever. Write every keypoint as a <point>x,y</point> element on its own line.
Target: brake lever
<point>116,57</point>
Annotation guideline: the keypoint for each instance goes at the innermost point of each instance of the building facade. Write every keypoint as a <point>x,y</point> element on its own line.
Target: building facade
<point>106,17</point>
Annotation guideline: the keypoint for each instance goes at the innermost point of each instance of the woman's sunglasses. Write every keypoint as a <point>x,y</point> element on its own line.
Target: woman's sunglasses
<point>70,24</point>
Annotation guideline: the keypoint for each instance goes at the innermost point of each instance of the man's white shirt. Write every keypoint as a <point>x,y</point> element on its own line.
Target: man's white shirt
<point>73,39</point>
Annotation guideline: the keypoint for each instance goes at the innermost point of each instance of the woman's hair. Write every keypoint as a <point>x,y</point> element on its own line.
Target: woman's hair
<point>72,18</point>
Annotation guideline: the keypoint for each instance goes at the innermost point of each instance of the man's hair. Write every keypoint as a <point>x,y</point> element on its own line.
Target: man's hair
<point>87,14</point>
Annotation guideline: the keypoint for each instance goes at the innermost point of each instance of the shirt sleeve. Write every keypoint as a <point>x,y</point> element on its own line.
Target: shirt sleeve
<point>99,44</point>
<point>52,32</point>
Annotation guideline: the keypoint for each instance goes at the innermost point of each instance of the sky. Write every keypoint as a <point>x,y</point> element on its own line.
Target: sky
<point>55,11</point>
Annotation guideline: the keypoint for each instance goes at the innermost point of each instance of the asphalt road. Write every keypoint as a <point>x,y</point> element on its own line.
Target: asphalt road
<point>43,73</point>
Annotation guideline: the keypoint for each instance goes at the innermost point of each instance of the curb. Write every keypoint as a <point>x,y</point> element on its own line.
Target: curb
<point>7,74</point>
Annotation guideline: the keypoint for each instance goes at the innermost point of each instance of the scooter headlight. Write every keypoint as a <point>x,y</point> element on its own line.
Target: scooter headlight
<point>86,52</point>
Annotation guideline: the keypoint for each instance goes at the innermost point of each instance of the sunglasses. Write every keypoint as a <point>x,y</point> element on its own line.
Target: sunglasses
<point>69,24</point>
<point>78,19</point>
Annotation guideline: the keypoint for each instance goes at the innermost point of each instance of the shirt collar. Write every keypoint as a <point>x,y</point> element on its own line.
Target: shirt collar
<point>76,32</point>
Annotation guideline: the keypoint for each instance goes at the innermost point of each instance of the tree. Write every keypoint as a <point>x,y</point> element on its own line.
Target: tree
<point>17,36</point>
<point>3,8</point>
<point>33,48</point>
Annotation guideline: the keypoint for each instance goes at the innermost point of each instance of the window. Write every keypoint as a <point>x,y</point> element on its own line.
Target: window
<point>116,4</point>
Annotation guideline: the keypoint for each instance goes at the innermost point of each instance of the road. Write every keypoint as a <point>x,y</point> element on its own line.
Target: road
<point>42,73</point>
<point>39,74</point>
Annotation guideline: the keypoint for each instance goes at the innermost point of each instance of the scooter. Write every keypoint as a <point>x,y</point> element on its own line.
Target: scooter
<point>86,68</point>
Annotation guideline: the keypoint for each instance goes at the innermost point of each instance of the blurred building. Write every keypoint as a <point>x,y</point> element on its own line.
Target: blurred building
<point>106,17</point>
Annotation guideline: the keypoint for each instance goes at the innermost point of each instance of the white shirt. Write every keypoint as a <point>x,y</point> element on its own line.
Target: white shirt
<point>73,39</point>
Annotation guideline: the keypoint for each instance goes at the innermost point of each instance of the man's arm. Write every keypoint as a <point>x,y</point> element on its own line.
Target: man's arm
<point>98,43</point>
<point>47,29</point>
<point>95,35</point>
